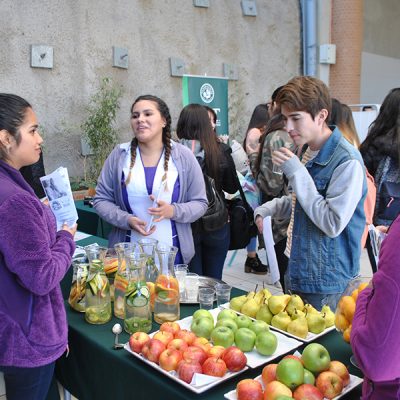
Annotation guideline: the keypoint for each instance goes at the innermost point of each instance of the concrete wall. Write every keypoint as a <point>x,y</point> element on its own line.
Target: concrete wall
<point>266,50</point>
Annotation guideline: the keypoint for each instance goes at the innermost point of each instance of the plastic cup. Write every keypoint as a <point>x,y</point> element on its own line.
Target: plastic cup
<point>206,298</point>
<point>192,287</point>
<point>181,271</point>
<point>223,292</point>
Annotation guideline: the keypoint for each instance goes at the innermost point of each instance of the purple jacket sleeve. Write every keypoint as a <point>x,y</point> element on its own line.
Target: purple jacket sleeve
<point>376,323</point>
<point>39,258</point>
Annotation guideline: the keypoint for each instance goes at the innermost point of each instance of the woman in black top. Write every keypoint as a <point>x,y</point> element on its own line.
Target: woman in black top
<point>195,131</point>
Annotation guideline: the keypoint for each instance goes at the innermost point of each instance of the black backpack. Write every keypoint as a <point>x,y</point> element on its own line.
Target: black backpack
<point>216,215</point>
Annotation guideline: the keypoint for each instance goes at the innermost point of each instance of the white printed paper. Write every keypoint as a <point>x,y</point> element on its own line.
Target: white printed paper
<point>274,275</point>
<point>58,191</point>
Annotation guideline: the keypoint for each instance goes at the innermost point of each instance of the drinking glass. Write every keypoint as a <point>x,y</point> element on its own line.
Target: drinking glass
<point>223,292</point>
<point>180,273</point>
<point>206,298</point>
<point>192,286</point>
<point>276,146</point>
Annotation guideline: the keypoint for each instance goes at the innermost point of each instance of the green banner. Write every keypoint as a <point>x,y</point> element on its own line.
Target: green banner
<point>211,92</point>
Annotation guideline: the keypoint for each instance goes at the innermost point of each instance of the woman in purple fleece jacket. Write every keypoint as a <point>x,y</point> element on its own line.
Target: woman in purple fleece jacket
<point>376,324</point>
<point>33,260</point>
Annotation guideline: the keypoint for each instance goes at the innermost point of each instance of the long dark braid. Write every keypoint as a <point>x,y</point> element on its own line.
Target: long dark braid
<point>166,135</point>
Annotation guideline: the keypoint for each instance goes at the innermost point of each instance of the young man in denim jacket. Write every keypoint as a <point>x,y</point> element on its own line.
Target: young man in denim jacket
<point>326,203</point>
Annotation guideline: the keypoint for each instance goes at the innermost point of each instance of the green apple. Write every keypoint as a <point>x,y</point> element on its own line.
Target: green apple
<point>243,321</point>
<point>266,343</point>
<point>202,327</point>
<point>202,314</point>
<point>222,336</point>
<point>309,377</point>
<point>227,314</point>
<point>245,339</point>
<point>316,358</point>
<point>290,372</point>
<point>258,327</point>
<point>230,323</point>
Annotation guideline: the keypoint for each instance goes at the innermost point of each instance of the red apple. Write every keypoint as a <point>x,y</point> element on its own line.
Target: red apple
<point>275,389</point>
<point>269,373</point>
<point>152,350</point>
<point>329,384</point>
<point>169,359</point>
<point>216,351</point>
<point>178,344</point>
<point>307,392</point>
<point>172,327</point>
<point>186,370</point>
<point>203,343</point>
<point>164,337</point>
<point>234,358</point>
<point>340,369</point>
<point>249,389</point>
<point>195,354</point>
<point>214,366</point>
<point>138,340</point>
<point>186,335</point>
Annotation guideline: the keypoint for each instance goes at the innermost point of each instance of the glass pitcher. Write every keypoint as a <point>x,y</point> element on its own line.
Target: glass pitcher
<point>137,295</point>
<point>98,301</point>
<point>166,302</point>
<point>110,268</point>
<point>76,298</point>
<point>121,279</point>
<point>148,246</point>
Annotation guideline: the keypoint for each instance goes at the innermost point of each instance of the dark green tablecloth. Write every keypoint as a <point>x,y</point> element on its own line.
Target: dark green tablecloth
<point>89,222</point>
<point>93,370</point>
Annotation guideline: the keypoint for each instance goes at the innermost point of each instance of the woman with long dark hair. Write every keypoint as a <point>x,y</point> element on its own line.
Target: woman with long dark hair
<point>195,131</point>
<point>151,186</point>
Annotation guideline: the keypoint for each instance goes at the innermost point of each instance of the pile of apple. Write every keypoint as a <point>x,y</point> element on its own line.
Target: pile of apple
<point>345,311</point>
<point>313,376</point>
<point>232,329</point>
<point>285,312</point>
<point>176,349</point>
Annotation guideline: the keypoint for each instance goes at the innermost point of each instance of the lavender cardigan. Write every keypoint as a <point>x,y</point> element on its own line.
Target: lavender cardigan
<point>33,260</point>
<point>191,205</point>
<point>376,325</point>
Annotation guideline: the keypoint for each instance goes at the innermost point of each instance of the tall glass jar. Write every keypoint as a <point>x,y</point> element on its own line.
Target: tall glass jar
<point>98,301</point>
<point>121,279</point>
<point>137,295</point>
<point>110,268</point>
<point>166,302</point>
<point>148,246</point>
<point>77,293</point>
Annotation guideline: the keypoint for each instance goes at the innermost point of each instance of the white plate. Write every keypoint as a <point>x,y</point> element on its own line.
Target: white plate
<point>255,359</point>
<point>309,338</point>
<point>200,382</point>
<point>354,381</point>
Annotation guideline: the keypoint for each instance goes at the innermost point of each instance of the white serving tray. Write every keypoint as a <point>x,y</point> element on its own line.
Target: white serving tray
<point>309,338</point>
<point>354,381</point>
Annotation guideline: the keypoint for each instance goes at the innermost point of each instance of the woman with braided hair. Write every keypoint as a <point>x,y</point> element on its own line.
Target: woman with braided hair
<point>151,186</point>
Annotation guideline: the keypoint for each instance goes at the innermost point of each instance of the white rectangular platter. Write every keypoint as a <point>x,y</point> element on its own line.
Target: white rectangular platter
<point>309,338</point>
<point>354,381</point>
<point>200,382</point>
<point>254,359</point>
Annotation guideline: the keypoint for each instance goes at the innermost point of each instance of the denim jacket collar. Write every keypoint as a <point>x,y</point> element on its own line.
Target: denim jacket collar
<point>325,155</point>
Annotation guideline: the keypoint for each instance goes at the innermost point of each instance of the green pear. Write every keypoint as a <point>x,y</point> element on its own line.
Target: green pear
<point>264,314</point>
<point>329,316</point>
<point>296,314</point>
<point>295,302</point>
<point>237,302</point>
<point>298,327</point>
<point>308,309</point>
<point>316,322</point>
<point>250,308</point>
<point>281,320</point>
<point>278,303</point>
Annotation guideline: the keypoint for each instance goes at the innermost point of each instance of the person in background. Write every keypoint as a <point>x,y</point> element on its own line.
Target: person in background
<point>375,329</point>
<point>32,174</point>
<point>195,131</point>
<point>381,153</point>
<point>212,115</point>
<point>342,117</point>
<point>151,186</point>
<point>34,258</point>
<point>326,205</point>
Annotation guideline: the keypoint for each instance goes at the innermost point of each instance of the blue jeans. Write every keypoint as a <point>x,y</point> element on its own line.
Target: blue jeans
<point>210,252</point>
<point>252,246</point>
<point>318,300</point>
<point>28,383</point>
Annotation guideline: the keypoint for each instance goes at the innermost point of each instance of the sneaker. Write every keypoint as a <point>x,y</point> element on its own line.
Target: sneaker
<point>255,266</point>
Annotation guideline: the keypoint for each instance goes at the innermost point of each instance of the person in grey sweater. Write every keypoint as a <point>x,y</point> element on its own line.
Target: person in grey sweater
<point>325,206</point>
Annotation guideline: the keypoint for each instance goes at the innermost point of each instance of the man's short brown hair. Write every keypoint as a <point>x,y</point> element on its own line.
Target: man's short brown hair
<point>305,93</point>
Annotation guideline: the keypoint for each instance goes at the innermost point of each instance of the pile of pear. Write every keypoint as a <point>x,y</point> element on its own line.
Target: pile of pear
<point>285,312</point>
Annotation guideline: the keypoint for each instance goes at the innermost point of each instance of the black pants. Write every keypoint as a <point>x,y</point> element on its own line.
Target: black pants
<point>282,261</point>
<point>371,255</point>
